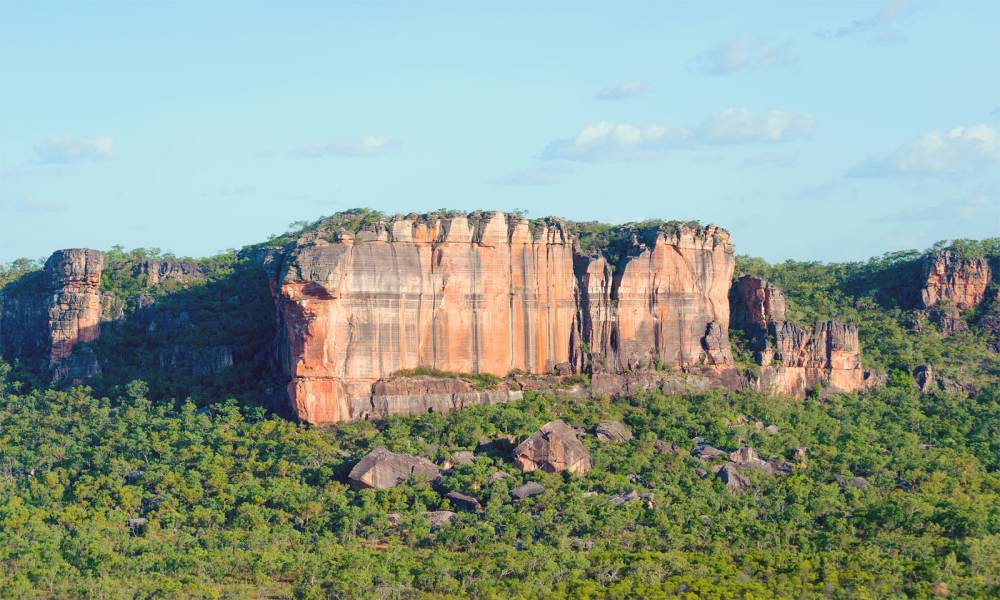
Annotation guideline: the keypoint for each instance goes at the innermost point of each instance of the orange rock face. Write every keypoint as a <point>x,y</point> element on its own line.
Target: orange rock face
<point>487,296</point>
<point>949,277</point>
<point>666,304</point>
<point>829,356</point>
<point>74,311</point>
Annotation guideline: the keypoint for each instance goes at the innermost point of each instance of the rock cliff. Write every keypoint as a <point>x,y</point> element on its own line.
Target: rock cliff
<point>489,293</point>
<point>45,317</point>
<point>482,295</point>
<point>794,359</point>
<point>951,278</point>
<point>74,311</point>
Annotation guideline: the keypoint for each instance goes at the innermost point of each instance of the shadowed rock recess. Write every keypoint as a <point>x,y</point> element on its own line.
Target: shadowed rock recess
<point>441,311</point>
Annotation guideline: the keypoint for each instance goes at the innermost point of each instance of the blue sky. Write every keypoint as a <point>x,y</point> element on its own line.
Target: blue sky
<point>811,130</point>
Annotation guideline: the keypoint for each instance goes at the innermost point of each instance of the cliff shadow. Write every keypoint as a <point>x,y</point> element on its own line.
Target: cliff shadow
<point>208,340</point>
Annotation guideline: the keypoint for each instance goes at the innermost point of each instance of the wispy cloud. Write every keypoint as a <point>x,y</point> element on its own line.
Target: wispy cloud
<point>621,91</point>
<point>58,149</point>
<point>27,204</point>
<point>367,145</point>
<point>546,174</point>
<point>972,208</point>
<point>878,25</point>
<point>743,53</point>
<point>951,152</point>
<point>606,141</point>
<point>744,126</point>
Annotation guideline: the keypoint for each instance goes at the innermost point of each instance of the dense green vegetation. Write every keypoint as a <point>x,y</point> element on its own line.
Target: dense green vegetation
<point>162,482</point>
<point>238,504</point>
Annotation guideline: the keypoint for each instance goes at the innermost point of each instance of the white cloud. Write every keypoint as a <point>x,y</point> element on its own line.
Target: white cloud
<point>546,174</point>
<point>621,91</point>
<point>878,24</point>
<point>368,145</point>
<point>742,126</point>
<point>958,150</point>
<point>743,53</point>
<point>67,149</point>
<point>606,141</point>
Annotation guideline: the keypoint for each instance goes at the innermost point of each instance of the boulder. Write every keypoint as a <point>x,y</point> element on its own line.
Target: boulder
<point>706,452</point>
<point>924,377</point>
<point>497,476</point>
<point>440,518</point>
<point>464,501</point>
<point>553,448</point>
<point>731,476</point>
<point>613,431</point>
<point>748,457</point>
<point>461,458</point>
<point>527,490</point>
<point>623,497</point>
<point>665,448</point>
<point>381,469</point>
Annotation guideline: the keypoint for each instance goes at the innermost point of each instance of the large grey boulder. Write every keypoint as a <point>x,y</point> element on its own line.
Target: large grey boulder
<point>613,431</point>
<point>553,448</point>
<point>381,469</point>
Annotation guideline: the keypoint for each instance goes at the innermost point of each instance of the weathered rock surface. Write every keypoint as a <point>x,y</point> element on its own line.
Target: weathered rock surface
<point>613,431</point>
<point>486,295</point>
<point>489,293</point>
<point>463,501</point>
<point>158,271</point>
<point>74,311</point>
<point>47,317</point>
<point>527,490</point>
<point>795,359</point>
<point>666,302</point>
<point>440,518</point>
<point>381,469</point>
<point>553,448</point>
<point>208,360</point>
<point>949,277</point>
<point>756,303</point>
<point>731,476</point>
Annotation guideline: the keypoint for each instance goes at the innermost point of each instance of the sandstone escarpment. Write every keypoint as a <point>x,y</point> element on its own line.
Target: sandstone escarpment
<point>948,277</point>
<point>756,303</point>
<point>795,359</point>
<point>482,295</point>
<point>664,304</point>
<point>74,312</point>
<point>47,318</point>
<point>489,293</point>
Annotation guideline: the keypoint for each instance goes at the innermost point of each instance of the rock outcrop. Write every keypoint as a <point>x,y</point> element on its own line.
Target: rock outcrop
<point>381,469</point>
<point>794,359</point>
<point>664,304</point>
<point>488,293</point>
<point>613,431</point>
<point>553,448</point>
<point>74,311</point>
<point>46,318</point>
<point>948,277</point>
<point>756,303</point>
<point>157,271</point>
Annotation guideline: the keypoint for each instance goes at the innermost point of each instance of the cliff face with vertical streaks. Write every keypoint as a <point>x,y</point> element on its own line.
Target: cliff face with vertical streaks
<point>490,294</point>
